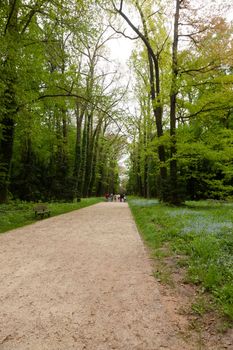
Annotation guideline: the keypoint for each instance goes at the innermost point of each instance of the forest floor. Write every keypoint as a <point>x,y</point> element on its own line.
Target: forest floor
<point>84,280</point>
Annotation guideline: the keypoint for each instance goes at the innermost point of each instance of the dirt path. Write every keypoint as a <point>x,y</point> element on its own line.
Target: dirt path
<point>82,280</point>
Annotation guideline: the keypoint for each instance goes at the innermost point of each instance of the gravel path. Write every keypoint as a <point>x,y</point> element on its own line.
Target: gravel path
<point>81,280</point>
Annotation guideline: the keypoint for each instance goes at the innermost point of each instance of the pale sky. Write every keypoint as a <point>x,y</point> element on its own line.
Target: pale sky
<point>121,48</point>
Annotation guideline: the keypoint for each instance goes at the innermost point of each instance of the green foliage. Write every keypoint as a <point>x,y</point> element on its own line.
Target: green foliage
<point>201,141</point>
<point>200,231</point>
<point>60,116</point>
<point>205,160</point>
<point>51,77</point>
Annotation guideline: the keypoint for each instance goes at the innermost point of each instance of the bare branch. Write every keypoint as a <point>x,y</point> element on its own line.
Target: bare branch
<point>123,33</point>
<point>138,32</point>
<point>154,13</point>
<point>203,109</point>
<point>208,68</point>
<point>164,43</point>
<point>84,99</point>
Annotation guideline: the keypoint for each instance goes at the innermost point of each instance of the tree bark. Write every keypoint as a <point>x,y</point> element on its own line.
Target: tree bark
<point>87,155</point>
<point>95,144</point>
<point>9,100</point>
<point>173,100</point>
<point>78,150</point>
<point>154,74</point>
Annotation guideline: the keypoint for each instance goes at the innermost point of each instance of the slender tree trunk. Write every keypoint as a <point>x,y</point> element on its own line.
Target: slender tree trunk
<point>148,194</point>
<point>154,91</point>
<point>6,152</point>
<point>64,134</point>
<point>94,158</point>
<point>81,179</point>
<point>154,74</point>
<point>173,97</point>
<point>101,167</point>
<point>157,111</point>
<point>100,174</point>
<point>88,156</point>
<point>78,151</point>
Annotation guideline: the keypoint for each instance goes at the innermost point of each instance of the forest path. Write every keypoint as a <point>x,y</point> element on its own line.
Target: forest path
<point>81,280</point>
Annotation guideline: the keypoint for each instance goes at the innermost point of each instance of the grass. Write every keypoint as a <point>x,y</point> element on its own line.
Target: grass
<point>17,214</point>
<point>201,234</point>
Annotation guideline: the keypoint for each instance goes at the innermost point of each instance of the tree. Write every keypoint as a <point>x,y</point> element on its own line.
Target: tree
<point>155,85</point>
<point>17,28</point>
<point>40,158</point>
<point>189,64</point>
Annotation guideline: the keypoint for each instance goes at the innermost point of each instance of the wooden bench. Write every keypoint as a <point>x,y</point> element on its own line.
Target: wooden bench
<point>41,210</point>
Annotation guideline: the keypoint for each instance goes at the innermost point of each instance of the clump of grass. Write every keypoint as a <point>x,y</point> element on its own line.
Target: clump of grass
<point>16,214</point>
<point>203,233</point>
<point>200,306</point>
<point>144,202</point>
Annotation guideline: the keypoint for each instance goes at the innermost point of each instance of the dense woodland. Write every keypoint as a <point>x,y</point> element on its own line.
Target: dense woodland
<point>67,116</point>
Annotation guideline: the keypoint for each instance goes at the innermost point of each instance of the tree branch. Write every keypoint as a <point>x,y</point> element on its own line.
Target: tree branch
<point>10,16</point>
<point>72,95</point>
<point>31,14</point>
<point>123,33</point>
<point>136,30</point>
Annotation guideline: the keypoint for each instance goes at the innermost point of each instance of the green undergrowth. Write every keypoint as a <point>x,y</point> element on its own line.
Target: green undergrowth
<point>200,234</point>
<point>16,214</point>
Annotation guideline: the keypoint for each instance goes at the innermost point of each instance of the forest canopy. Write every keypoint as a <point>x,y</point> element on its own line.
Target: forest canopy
<point>66,116</point>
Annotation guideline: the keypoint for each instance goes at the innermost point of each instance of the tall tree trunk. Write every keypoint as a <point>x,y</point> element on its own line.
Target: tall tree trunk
<point>173,97</point>
<point>100,173</point>
<point>82,171</point>
<point>157,111</point>
<point>155,94</point>
<point>9,100</point>
<point>6,152</point>
<point>94,158</point>
<point>154,74</point>
<point>78,150</point>
<point>88,156</point>
<point>64,134</point>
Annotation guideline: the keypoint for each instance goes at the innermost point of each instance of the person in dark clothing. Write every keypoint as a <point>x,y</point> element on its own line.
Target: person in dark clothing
<point>121,197</point>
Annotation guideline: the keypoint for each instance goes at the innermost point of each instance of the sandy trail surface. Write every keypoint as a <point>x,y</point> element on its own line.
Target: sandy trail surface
<point>81,280</point>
